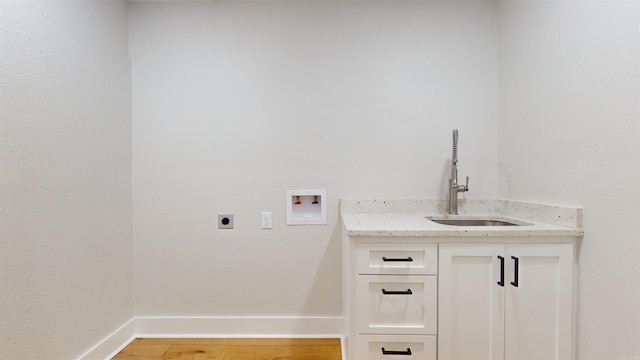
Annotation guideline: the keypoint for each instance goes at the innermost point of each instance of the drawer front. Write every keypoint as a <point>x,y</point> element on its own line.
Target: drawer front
<point>389,304</point>
<point>380,347</point>
<point>397,259</point>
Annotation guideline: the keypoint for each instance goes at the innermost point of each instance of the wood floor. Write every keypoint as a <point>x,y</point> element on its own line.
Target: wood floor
<point>231,349</point>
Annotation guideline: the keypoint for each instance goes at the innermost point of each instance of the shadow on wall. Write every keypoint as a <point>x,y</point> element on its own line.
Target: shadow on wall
<point>328,291</point>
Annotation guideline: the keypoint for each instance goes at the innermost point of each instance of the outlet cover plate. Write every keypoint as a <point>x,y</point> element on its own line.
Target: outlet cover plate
<point>225,221</point>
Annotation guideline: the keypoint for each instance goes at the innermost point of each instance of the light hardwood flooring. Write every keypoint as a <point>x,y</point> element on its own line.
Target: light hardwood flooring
<point>231,349</point>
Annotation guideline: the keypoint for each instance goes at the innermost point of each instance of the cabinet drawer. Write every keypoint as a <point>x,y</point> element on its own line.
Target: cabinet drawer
<point>390,304</point>
<point>397,259</point>
<point>370,347</point>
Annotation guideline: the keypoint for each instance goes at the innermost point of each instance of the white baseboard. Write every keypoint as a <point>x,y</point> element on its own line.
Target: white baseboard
<point>235,326</point>
<point>214,327</point>
<point>112,344</point>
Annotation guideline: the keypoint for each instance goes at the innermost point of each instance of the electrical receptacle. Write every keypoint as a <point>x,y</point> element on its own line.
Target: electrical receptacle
<point>225,221</point>
<point>267,220</point>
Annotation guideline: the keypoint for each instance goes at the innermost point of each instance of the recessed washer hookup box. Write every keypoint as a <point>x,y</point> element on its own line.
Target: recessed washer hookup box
<point>306,207</point>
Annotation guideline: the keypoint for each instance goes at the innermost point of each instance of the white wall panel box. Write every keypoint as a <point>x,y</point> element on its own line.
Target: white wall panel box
<point>306,207</point>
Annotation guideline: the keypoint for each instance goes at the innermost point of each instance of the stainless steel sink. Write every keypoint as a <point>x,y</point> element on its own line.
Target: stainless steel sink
<point>474,222</point>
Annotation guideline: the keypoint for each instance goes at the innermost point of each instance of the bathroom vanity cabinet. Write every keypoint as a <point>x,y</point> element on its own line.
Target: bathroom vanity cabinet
<point>414,289</point>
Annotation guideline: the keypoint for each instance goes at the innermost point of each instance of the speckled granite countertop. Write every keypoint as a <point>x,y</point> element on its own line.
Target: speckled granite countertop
<point>407,217</point>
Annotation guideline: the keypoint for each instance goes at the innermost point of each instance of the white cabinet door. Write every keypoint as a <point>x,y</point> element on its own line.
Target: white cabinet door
<point>471,303</point>
<point>539,310</point>
<point>505,302</point>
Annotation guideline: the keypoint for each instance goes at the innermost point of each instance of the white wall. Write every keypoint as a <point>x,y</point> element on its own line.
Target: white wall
<point>236,102</point>
<point>569,133</point>
<point>65,177</point>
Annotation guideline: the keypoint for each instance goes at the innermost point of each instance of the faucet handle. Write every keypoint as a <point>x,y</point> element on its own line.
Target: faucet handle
<point>466,186</point>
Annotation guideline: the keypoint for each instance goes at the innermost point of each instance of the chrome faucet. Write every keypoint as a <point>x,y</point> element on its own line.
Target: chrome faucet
<point>454,188</point>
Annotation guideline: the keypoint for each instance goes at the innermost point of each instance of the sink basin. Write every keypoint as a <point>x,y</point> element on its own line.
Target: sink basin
<point>478,222</point>
<point>474,221</point>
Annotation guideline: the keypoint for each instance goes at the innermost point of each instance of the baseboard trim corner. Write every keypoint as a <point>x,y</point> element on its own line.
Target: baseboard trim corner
<point>112,344</point>
<point>214,327</point>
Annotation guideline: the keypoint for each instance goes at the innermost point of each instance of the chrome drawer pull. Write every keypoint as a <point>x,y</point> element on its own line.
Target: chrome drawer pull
<point>392,352</point>
<point>386,259</point>
<point>408,292</point>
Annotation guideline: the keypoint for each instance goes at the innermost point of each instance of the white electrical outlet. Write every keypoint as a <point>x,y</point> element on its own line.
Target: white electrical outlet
<point>267,220</point>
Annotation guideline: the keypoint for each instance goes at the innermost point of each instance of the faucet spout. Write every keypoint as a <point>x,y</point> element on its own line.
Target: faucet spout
<point>454,188</point>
